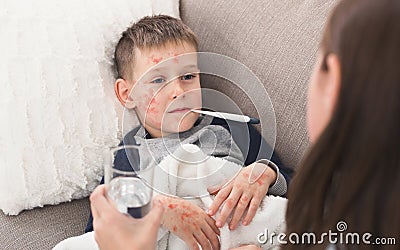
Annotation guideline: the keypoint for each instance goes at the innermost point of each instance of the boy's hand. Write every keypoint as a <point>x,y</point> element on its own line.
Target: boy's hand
<point>241,194</point>
<point>190,223</point>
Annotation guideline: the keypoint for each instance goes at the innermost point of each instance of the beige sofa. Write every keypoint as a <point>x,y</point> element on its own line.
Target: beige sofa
<point>276,39</point>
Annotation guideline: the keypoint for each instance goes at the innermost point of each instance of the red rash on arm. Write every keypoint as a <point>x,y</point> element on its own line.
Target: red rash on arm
<point>260,180</point>
<point>172,206</point>
<point>186,215</point>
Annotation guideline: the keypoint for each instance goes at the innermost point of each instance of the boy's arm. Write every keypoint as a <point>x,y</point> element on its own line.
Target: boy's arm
<point>255,148</point>
<point>192,221</point>
<point>279,186</point>
<point>260,150</point>
<point>189,222</point>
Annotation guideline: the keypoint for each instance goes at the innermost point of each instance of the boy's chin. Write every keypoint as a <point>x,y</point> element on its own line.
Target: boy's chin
<point>183,127</point>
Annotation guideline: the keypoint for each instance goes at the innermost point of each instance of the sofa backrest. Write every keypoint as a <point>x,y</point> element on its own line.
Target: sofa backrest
<point>278,41</point>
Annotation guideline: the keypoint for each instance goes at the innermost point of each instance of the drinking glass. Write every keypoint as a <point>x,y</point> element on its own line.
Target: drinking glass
<point>128,186</point>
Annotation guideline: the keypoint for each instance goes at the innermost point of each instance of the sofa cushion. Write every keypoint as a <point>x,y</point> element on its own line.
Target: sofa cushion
<point>278,41</point>
<point>43,228</point>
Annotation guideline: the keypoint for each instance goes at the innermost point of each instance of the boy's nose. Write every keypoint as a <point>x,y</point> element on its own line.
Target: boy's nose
<point>177,88</point>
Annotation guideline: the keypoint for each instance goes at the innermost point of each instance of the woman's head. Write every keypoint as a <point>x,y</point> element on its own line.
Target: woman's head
<point>352,172</point>
<point>358,62</point>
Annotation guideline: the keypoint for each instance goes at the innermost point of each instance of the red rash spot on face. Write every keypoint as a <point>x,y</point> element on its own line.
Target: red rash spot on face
<point>152,110</point>
<point>246,175</point>
<point>153,102</point>
<point>152,106</point>
<point>156,59</point>
<point>176,60</point>
<point>158,123</point>
<point>174,228</point>
<point>172,206</point>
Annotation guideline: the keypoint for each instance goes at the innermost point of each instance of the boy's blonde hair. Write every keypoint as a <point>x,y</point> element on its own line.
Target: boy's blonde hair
<point>148,32</point>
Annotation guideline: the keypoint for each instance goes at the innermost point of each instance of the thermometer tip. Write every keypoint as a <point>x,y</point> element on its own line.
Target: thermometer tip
<point>254,121</point>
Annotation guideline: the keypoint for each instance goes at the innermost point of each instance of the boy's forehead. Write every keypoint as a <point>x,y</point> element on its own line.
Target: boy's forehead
<point>156,58</point>
<point>156,54</point>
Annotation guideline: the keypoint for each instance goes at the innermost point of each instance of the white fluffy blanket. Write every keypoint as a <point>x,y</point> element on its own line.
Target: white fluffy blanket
<point>187,173</point>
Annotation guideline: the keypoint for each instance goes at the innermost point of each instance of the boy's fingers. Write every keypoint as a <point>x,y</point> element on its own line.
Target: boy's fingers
<point>192,243</point>
<point>254,204</point>
<point>219,199</point>
<point>212,237</point>
<point>202,239</point>
<point>239,211</point>
<point>230,203</point>
<point>211,222</point>
<point>213,190</point>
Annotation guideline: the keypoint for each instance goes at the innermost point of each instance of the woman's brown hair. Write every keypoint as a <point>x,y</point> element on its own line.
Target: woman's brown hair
<point>352,173</point>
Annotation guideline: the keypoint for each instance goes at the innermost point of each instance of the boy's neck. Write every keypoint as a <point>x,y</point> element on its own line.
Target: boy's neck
<point>155,133</point>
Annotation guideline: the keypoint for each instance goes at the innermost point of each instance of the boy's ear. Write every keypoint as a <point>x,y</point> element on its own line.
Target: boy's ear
<point>122,90</point>
<point>332,88</point>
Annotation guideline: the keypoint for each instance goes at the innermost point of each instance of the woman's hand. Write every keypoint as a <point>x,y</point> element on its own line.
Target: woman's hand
<point>116,231</point>
<point>241,194</point>
<point>190,223</point>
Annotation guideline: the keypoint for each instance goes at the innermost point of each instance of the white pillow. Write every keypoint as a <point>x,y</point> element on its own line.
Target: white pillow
<point>58,111</point>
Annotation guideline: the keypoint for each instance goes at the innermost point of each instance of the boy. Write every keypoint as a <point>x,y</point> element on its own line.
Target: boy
<point>147,84</point>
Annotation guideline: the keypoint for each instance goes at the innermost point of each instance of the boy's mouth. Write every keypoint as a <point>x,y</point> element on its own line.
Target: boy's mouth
<point>180,110</point>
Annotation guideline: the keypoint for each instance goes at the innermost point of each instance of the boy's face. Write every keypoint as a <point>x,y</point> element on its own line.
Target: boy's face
<point>166,87</point>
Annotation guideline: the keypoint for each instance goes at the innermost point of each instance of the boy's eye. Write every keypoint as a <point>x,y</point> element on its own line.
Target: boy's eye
<point>158,80</point>
<point>187,77</point>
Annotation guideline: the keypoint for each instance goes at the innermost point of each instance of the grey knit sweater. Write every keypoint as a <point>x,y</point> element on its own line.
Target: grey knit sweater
<point>213,140</point>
